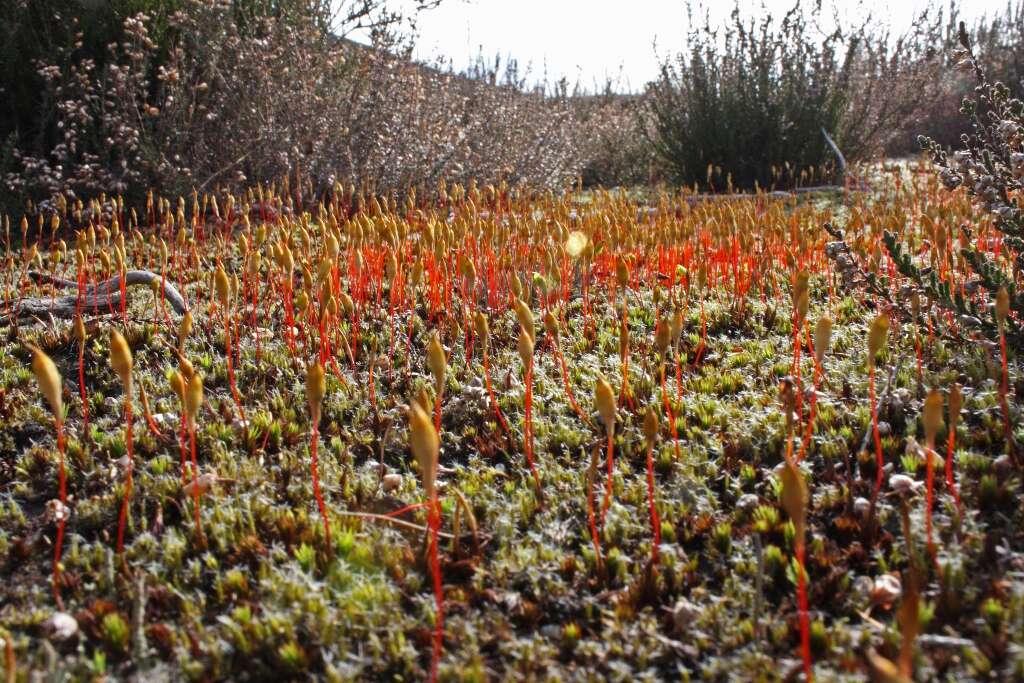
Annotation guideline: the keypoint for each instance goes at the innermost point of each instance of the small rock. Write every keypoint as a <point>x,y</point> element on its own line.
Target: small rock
<point>57,511</point>
<point>901,483</point>
<point>747,503</point>
<point>861,506</point>
<point>886,590</point>
<point>1003,465</point>
<point>392,482</point>
<point>863,585</point>
<point>205,483</point>
<point>683,615</point>
<point>165,419</point>
<point>61,626</point>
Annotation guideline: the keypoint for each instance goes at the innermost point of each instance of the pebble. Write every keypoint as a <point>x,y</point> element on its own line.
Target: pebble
<point>886,589</point>
<point>61,626</point>
<point>747,503</point>
<point>684,613</point>
<point>901,483</point>
<point>56,511</point>
<point>392,482</point>
<point>165,419</point>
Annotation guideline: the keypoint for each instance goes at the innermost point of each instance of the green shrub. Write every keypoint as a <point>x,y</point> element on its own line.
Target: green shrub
<point>747,105</point>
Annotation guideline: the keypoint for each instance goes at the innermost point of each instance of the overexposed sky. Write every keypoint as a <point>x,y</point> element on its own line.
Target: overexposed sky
<point>592,40</point>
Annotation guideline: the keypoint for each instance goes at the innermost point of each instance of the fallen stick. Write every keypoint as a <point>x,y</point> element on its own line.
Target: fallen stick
<point>96,299</point>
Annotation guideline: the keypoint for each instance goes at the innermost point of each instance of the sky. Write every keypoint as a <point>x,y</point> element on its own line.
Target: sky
<point>590,41</point>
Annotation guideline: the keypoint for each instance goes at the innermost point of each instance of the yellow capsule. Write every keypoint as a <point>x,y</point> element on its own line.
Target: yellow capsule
<point>424,400</point>
<point>604,400</point>
<point>324,269</point>
<point>876,337</point>
<point>517,287</point>
<point>194,397</point>
<point>482,328</point>
<point>78,329</point>
<point>121,358</point>
<point>525,348</point>
<point>551,325</point>
<point>822,337</point>
<point>184,328</point>
<point>49,381</point>
<point>302,301</point>
<point>346,303</point>
<point>931,416</point>
<point>316,387</point>
<point>525,318</point>
<point>425,446</point>
<point>177,383</point>
<point>436,361</point>
<point>185,365</point>
<point>223,286</point>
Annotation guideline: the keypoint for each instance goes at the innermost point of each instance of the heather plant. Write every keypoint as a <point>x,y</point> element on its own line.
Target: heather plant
<point>204,93</point>
<point>746,104</point>
<point>990,167</point>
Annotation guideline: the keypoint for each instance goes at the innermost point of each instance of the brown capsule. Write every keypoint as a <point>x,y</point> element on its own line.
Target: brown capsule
<point>956,404</point>
<point>315,389</point>
<point>931,416</point>
<point>436,361</point>
<point>662,336</point>
<point>1002,306</point>
<point>794,497</point>
<point>822,338</point>
<point>651,424</point>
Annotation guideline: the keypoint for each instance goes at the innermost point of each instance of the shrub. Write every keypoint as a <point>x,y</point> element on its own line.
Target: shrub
<point>990,168</point>
<point>999,43</point>
<point>208,93</point>
<point>748,104</point>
